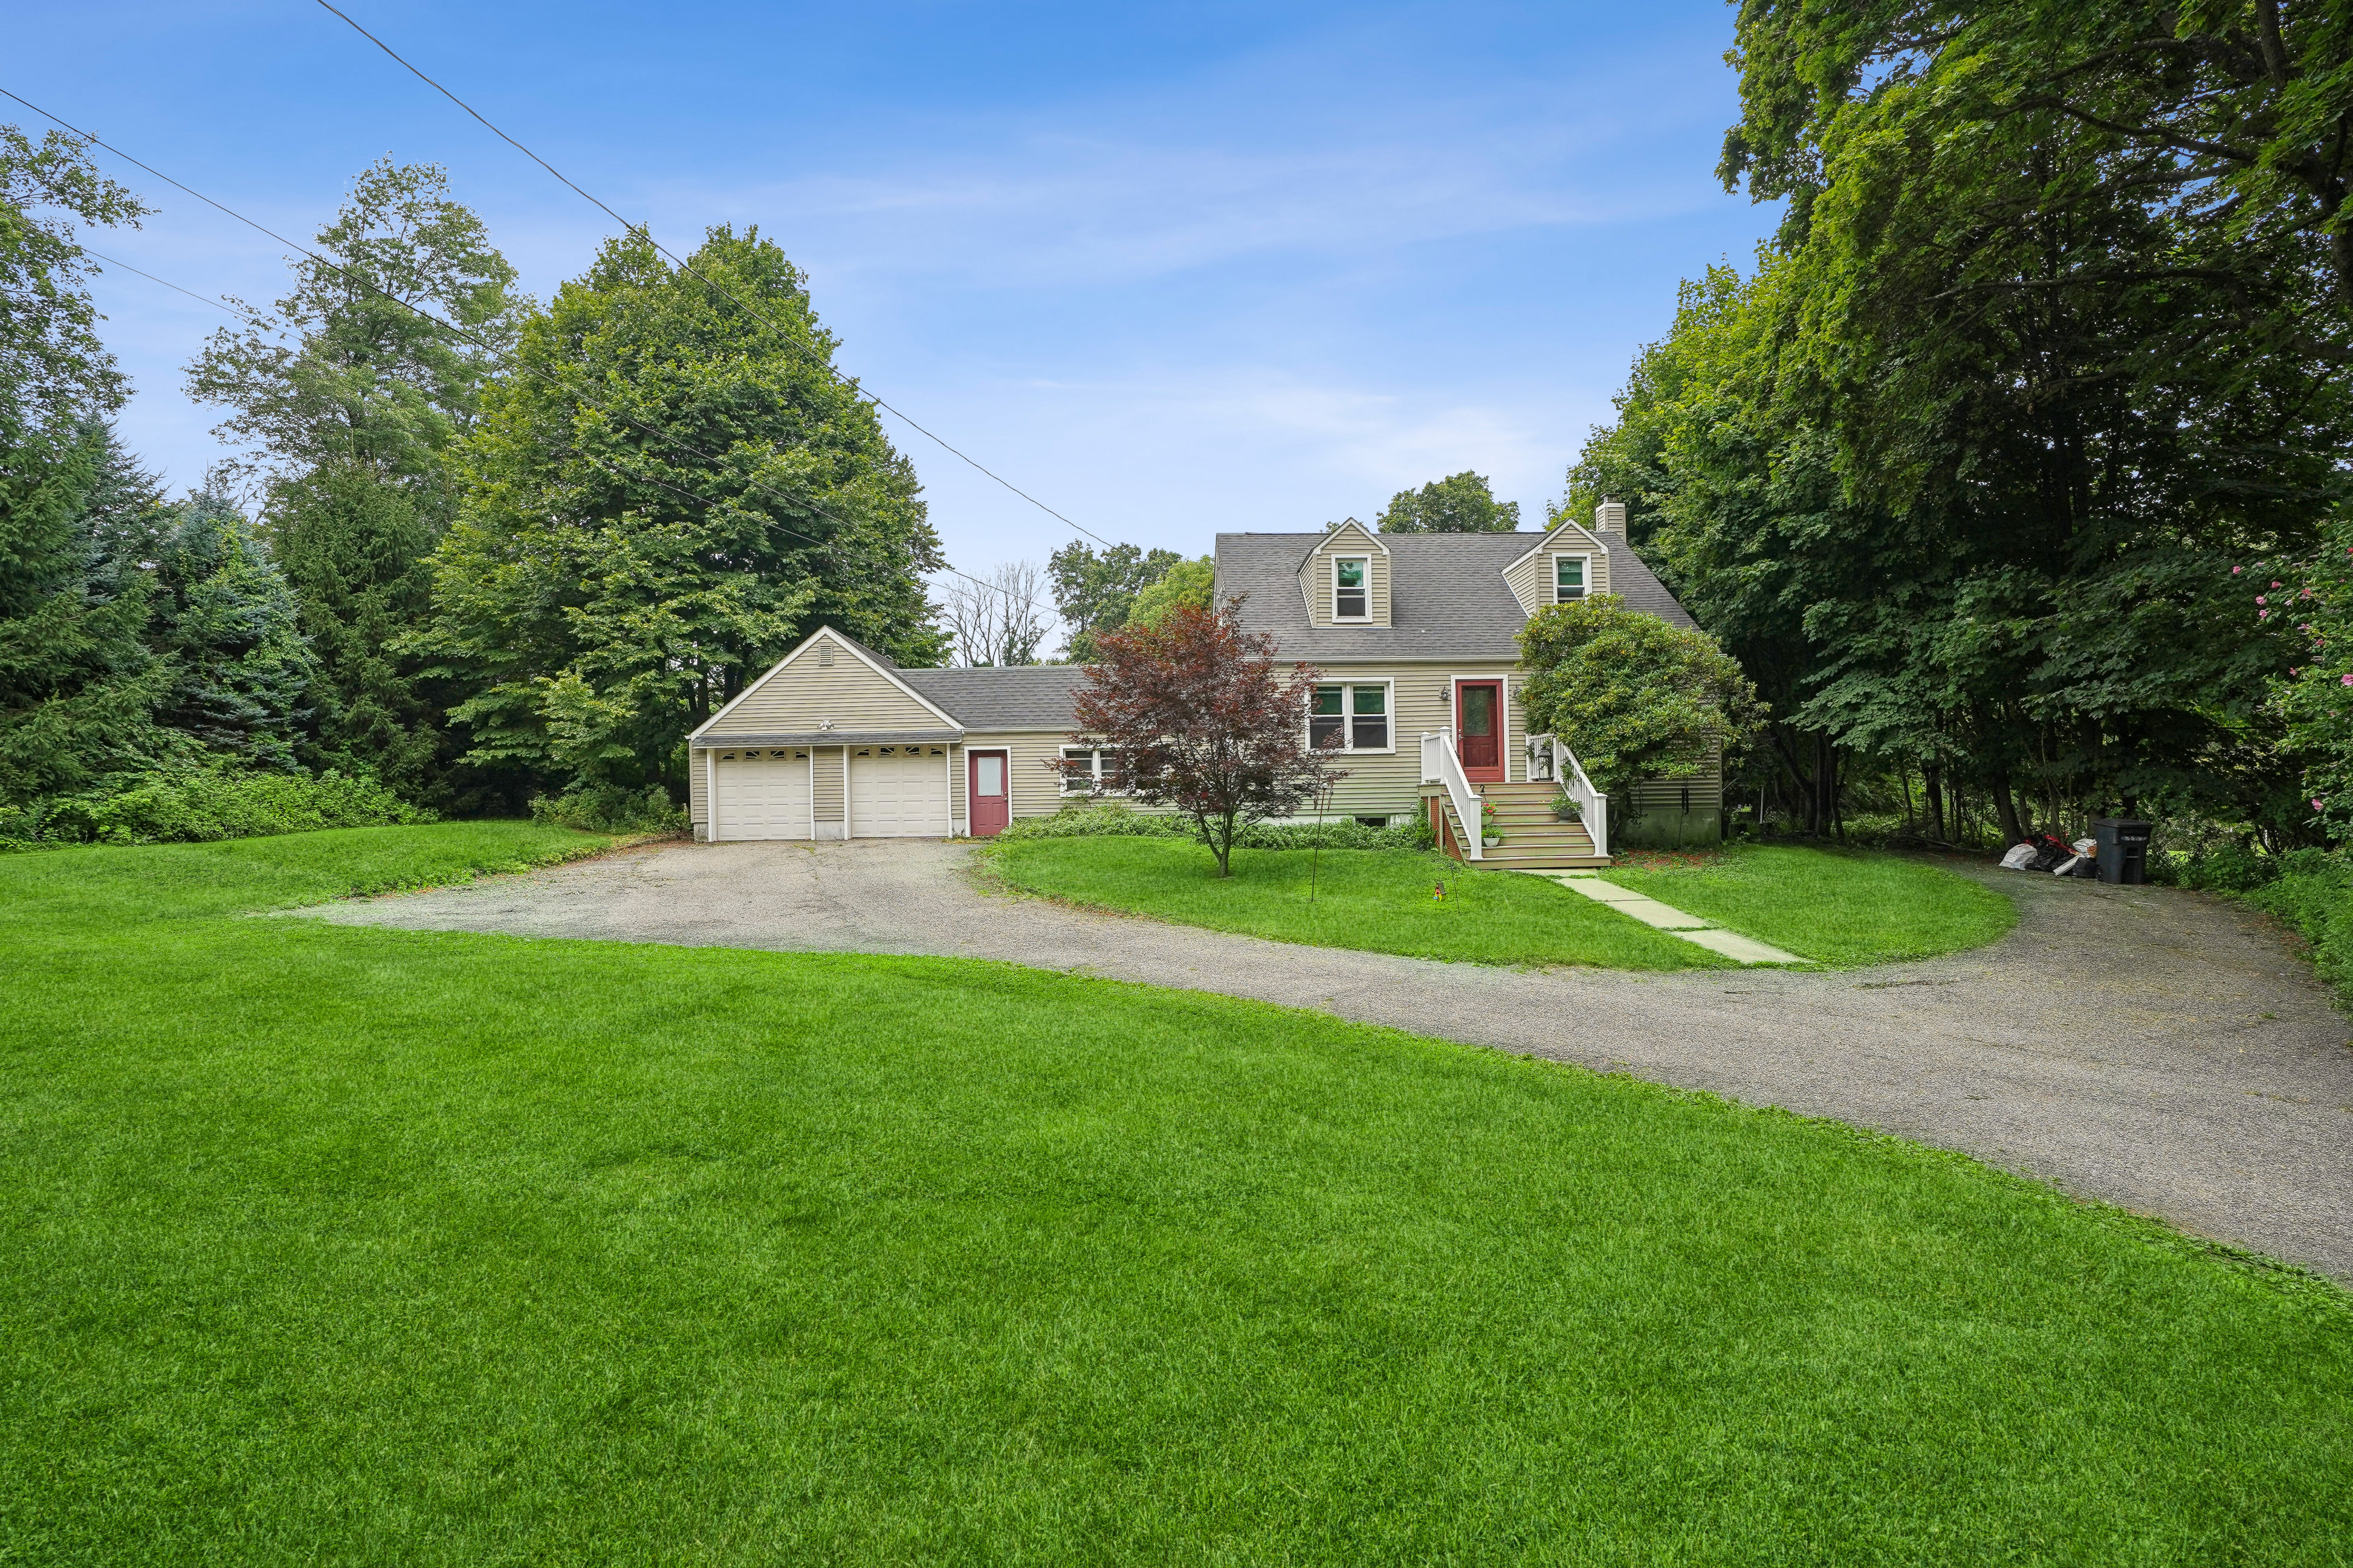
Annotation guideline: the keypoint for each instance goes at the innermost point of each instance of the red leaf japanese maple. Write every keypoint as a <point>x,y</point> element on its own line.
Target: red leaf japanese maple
<point>1204,721</point>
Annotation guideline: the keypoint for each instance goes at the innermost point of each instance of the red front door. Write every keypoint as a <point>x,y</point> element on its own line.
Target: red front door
<point>1479,730</point>
<point>986,780</point>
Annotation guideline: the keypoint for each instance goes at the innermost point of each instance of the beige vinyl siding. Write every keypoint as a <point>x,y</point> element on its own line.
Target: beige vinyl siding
<point>803,694</point>
<point>959,778</point>
<point>828,794</point>
<point>1316,576</point>
<point>1390,784</point>
<point>1662,816</point>
<point>1531,580</point>
<point>698,798</point>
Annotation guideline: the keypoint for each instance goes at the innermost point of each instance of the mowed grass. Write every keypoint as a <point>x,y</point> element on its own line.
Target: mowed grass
<point>358,1245</point>
<point>1380,900</point>
<point>1833,906</point>
<point>1829,907</point>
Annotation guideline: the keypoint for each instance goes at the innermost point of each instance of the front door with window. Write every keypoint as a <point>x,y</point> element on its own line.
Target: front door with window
<point>992,806</point>
<point>1479,730</point>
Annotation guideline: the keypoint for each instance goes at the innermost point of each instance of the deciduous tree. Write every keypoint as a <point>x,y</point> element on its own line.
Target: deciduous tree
<point>1186,582</point>
<point>1634,695</point>
<point>1095,591</point>
<point>1205,721</point>
<point>1459,503</point>
<point>670,491</point>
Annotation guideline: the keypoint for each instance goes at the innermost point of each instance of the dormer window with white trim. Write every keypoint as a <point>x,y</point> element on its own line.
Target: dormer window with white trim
<point>1351,597</point>
<point>1567,579</point>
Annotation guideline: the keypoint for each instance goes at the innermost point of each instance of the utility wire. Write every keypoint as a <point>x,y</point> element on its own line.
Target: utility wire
<point>190,293</point>
<point>690,270</point>
<point>505,361</point>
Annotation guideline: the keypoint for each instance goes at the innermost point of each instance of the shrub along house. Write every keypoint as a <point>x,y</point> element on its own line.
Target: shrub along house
<point>1416,632</point>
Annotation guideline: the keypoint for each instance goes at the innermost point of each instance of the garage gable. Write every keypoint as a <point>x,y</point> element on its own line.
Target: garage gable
<point>828,683</point>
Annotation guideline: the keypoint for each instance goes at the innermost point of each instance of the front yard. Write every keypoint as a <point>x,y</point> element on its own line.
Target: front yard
<point>1829,906</point>
<point>333,1244</point>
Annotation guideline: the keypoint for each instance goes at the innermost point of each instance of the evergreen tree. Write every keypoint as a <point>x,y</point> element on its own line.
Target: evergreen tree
<point>226,620</point>
<point>345,399</point>
<point>605,588</point>
<point>79,685</point>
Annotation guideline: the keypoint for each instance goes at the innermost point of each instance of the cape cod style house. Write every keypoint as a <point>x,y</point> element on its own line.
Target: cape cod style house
<point>1415,633</point>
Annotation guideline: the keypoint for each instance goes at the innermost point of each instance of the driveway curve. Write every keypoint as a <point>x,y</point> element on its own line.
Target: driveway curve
<point>2158,1050</point>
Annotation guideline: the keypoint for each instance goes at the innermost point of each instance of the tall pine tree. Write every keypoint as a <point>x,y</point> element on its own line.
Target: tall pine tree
<point>345,397</point>
<point>79,686</point>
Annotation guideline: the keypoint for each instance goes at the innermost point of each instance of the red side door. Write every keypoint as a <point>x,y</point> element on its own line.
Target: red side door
<point>1479,730</point>
<point>988,779</point>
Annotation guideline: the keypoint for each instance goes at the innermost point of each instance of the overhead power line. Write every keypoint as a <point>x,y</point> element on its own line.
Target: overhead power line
<point>190,293</point>
<point>506,362</point>
<point>683,265</point>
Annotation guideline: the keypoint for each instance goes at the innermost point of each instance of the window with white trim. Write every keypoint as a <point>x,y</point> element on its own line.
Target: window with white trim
<point>1092,770</point>
<point>1352,598</point>
<point>1350,718</point>
<point>1567,579</point>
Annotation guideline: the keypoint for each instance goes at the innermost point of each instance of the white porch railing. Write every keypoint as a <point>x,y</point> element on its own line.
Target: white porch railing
<point>1548,758</point>
<point>1440,765</point>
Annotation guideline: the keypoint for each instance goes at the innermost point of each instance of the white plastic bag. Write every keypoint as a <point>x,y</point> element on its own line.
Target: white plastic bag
<point>2019,857</point>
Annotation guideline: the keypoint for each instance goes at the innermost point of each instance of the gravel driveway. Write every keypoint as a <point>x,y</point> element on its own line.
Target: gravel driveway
<point>2158,1050</point>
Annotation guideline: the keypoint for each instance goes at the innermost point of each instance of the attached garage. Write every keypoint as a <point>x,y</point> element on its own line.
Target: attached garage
<point>900,792</point>
<point>760,793</point>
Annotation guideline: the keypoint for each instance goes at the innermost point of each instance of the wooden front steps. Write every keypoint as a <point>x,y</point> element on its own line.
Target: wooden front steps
<point>1534,838</point>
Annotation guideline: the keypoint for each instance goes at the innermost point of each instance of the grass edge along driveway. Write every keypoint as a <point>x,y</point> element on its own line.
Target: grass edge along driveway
<point>425,1247</point>
<point>1834,908</point>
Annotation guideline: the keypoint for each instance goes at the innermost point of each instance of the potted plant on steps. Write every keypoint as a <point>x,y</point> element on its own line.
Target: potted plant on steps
<point>1491,834</point>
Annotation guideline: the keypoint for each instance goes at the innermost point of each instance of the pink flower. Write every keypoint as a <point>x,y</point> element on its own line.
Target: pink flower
<point>2315,805</point>
<point>2275,584</point>
<point>2345,679</point>
<point>2262,599</point>
<point>2262,615</point>
<point>2236,570</point>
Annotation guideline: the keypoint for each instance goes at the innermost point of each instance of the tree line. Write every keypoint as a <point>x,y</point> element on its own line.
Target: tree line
<point>473,547</point>
<point>1986,468</point>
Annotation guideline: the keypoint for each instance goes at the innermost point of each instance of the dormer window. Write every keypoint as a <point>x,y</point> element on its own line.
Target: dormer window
<point>1567,579</point>
<point>1350,599</point>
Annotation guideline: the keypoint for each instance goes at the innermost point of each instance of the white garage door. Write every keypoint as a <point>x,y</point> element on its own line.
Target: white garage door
<point>898,792</point>
<point>762,793</point>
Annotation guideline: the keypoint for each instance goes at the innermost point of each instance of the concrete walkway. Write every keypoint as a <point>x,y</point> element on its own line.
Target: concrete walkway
<point>1666,918</point>
<point>2159,1049</point>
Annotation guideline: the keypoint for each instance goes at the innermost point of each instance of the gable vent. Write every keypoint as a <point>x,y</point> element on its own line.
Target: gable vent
<point>825,655</point>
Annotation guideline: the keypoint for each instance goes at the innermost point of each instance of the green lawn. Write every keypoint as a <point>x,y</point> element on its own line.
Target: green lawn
<point>355,1246</point>
<point>1827,906</point>
<point>1835,906</point>
<point>1377,899</point>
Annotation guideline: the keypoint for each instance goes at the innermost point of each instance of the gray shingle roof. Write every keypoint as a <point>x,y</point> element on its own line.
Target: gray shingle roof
<point>1448,598</point>
<point>1022,696</point>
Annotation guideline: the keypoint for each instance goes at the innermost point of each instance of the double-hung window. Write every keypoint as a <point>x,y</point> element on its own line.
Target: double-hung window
<point>1092,770</point>
<point>1351,597</point>
<point>1350,718</point>
<point>1567,578</point>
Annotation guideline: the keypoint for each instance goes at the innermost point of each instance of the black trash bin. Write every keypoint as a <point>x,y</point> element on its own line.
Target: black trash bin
<point>2123,854</point>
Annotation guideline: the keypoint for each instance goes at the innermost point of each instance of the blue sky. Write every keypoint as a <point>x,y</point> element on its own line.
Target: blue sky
<point>1172,268</point>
